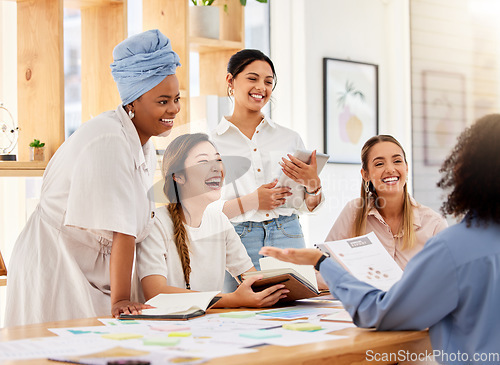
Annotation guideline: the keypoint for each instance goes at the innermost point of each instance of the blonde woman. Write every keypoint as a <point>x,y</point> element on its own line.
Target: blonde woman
<point>190,246</point>
<point>385,206</point>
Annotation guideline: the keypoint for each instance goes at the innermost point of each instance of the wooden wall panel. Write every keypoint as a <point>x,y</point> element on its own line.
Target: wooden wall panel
<point>103,27</point>
<point>171,18</point>
<point>40,74</point>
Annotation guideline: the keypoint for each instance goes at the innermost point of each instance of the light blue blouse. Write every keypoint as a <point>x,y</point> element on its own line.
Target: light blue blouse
<point>451,287</point>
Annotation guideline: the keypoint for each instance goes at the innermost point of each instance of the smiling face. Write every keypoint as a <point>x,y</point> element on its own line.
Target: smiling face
<point>203,175</point>
<point>252,87</point>
<point>156,109</point>
<point>386,168</point>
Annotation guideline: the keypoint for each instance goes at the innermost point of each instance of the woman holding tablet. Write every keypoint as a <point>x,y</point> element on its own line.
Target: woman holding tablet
<point>385,206</point>
<point>190,246</point>
<point>253,202</point>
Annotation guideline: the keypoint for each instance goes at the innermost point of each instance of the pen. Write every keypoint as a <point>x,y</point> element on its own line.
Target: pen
<point>270,328</point>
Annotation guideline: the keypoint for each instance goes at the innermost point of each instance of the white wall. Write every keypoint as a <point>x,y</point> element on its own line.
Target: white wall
<point>372,31</point>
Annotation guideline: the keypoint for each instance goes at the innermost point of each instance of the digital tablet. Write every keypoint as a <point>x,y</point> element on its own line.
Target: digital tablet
<point>297,198</point>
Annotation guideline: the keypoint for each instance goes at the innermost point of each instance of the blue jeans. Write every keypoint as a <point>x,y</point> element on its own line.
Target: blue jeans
<point>281,232</point>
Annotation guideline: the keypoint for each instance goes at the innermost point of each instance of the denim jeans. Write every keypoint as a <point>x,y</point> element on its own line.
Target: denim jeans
<point>281,232</point>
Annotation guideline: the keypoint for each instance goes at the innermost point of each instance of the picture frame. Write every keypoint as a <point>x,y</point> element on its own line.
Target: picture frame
<point>350,102</point>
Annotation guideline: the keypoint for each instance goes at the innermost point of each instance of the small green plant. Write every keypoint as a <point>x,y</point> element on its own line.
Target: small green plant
<point>244,2</point>
<point>202,2</point>
<point>37,143</point>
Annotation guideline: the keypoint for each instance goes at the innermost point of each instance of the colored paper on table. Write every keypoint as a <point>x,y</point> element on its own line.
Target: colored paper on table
<point>340,316</point>
<point>161,341</point>
<point>237,314</point>
<point>179,334</point>
<point>260,334</point>
<point>121,336</point>
<point>171,328</point>
<point>302,326</point>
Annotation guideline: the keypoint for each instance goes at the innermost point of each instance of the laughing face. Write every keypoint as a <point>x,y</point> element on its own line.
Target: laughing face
<point>386,169</point>
<point>203,175</point>
<point>156,109</point>
<point>253,87</point>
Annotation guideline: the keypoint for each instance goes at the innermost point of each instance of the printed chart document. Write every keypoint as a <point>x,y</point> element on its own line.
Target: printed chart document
<point>366,259</point>
<point>177,306</point>
<point>299,279</point>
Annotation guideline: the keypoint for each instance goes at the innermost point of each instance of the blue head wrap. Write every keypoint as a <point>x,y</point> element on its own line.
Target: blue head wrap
<point>141,62</point>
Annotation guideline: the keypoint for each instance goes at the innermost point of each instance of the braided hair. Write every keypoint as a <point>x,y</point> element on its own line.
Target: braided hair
<point>174,163</point>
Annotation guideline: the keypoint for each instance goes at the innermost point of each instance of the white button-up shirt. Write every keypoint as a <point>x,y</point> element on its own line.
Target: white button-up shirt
<point>250,163</point>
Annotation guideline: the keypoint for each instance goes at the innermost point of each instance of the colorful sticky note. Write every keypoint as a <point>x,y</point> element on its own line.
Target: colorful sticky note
<point>121,336</point>
<point>160,341</point>
<point>128,321</point>
<point>260,334</point>
<point>302,326</point>
<point>237,314</point>
<point>179,334</point>
<point>78,332</point>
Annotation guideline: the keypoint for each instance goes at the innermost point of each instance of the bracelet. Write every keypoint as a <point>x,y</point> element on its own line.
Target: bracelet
<point>313,193</point>
<point>321,259</point>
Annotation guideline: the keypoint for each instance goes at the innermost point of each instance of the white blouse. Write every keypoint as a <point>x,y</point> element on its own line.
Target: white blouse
<point>96,183</point>
<point>259,165</point>
<point>214,247</point>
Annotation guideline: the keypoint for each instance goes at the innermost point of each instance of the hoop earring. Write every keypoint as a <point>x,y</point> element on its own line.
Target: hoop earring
<point>131,114</point>
<point>231,92</point>
<point>367,187</point>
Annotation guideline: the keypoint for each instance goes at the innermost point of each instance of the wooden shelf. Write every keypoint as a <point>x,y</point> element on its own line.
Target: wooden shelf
<point>202,45</point>
<point>40,63</point>
<point>19,168</point>
<point>79,4</point>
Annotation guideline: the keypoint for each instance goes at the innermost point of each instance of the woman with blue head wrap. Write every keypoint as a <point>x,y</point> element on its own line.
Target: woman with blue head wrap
<point>77,248</point>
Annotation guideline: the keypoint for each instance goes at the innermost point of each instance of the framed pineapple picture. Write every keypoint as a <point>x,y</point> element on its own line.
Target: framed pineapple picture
<point>350,108</point>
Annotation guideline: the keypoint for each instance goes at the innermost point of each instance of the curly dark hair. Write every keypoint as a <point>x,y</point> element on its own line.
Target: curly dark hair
<point>471,172</point>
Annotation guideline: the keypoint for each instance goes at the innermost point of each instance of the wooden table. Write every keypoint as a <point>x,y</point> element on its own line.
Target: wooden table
<point>351,350</point>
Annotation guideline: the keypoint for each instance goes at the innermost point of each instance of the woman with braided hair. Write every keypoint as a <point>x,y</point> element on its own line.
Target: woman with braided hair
<point>192,244</point>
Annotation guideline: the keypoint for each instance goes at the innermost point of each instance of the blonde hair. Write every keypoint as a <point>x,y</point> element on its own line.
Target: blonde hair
<point>174,160</point>
<point>371,199</point>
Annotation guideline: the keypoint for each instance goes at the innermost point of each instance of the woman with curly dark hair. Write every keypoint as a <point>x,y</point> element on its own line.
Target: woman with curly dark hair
<point>452,286</point>
<point>472,171</point>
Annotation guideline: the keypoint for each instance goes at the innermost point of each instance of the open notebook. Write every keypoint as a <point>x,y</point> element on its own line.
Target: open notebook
<point>177,306</point>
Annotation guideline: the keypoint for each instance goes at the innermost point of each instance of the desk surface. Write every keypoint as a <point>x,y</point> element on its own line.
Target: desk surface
<point>351,350</point>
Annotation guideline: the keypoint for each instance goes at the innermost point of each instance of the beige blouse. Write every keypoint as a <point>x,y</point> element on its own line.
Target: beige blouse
<point>425,220</point>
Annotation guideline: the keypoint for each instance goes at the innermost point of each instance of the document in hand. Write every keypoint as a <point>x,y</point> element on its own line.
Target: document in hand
<point>177,306</point>
<point>299,279</point>
<point>366,259</point>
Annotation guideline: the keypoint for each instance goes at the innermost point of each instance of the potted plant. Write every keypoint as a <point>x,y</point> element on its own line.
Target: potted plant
<point>204,19</point>
<point>37,150</point>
